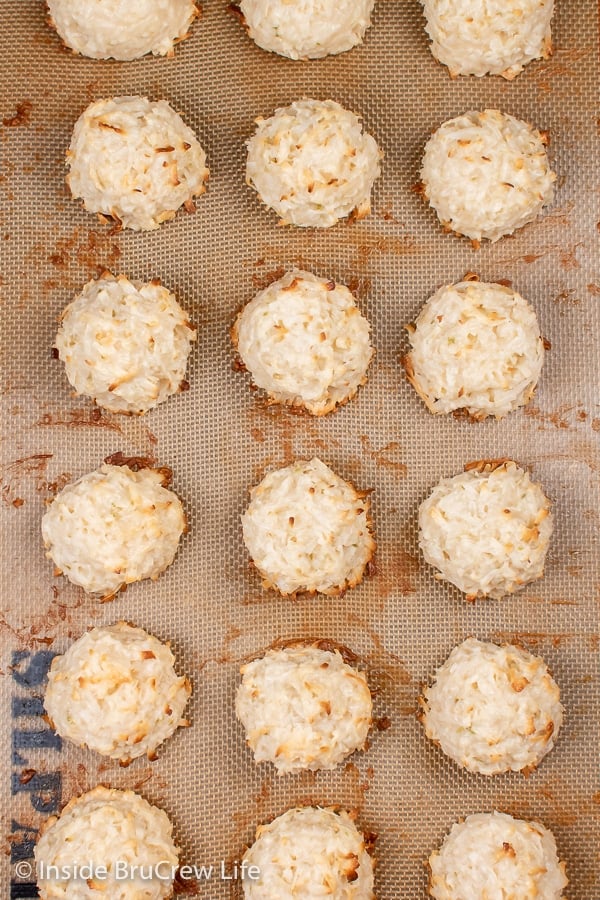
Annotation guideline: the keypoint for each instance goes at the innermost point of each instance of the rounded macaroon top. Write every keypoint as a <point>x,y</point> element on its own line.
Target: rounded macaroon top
<point>115,691</point>
<point>103,828</point>
<point>303,708</point>
<point>494,855</point>
<point>125,344</point>
<point>122,29</point>
<point>493,709</point>
<point>486,530</point>
<point>136,161</point>
<point>305,342</point>
<point>112,527</point>
<point>313,164</point>
<point>307,29</point>
<point>490,38</point>
<point>308,530</point>
<point>475,346</point>
<point>309,852</point>
<point>486,174</point>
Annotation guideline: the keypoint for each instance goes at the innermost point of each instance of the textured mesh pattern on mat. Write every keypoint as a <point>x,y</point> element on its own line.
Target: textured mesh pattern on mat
<point>220,439</point>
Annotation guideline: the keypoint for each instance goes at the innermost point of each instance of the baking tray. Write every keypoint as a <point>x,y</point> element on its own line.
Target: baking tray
<point>219,438</point>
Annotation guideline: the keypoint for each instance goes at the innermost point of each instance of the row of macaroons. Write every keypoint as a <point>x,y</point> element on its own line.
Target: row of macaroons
<point>475,347</point>
<point>135,161</point>
<point>466,35</point>
<point>307,530</point>
<point>303,706</point>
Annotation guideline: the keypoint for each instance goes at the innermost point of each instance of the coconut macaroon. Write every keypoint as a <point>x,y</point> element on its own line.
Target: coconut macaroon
<point>305,342</point>
<point>303,708</point>
<point>115,691</point>
<point>491,38</point>
<point>313,164</point>
<point>494,855</point>
<point>125,344</point>
<point>308,29</point>
<point>309,852</point>
<point>493,709</point>
<point>308,530</point>
<point>112,527</point>
<point>120,835</point>
<point>136,161</point>
<point>475,346</point>
<point>486,174</point>
<point>486,530</point>
<point>122,29</point>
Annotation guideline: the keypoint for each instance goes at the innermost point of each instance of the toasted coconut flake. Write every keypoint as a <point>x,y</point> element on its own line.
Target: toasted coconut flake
<point>115,691</point>
<point>490,38</point>
<point>303,708</point>
<point>329,544</point>
<point>116,170</point>
<point>494,855</point>
<point>475,529</point>
<point>113,527</point>
<point>125,344</point>
<point>305,342</point>
<point>102,828</point>
<point>486,174</point>
<point>307,29</point>
<point>493,709</point>
<point>309,852</point>
<point>475,346</point>
<point>122,29</point>
<point>312,163</point>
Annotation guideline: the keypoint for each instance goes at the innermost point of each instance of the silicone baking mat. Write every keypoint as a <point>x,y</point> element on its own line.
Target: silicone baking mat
<point>219,439</point>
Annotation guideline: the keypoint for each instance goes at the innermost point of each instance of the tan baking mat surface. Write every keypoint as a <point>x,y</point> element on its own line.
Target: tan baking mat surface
<point>219,440</point>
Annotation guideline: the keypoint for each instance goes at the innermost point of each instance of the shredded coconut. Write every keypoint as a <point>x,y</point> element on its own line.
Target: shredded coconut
<point>303,708</point>
<point>105,827</point>
<point>489,37</point>
<point>122,29</point>
<point>125,344</point>
<point>313,164</point>
<point>307,529</point>
<point>475,346</point>
<point>136,161</point>
<point>307,29</point>
<point>310,852</point>
<point>487,532</point>
<point>494,856</point>
<point>493,709</point>
<point>115,691</point>
<point>486,174</point>
<point>113,527</point>
<point>305,342</point>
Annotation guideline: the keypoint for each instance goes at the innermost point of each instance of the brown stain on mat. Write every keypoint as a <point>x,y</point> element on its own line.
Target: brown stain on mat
<point>384,456</point>
<point>31,468</point>
<point>557,69</point>
<point>529,640</point>
<point>567,256</point>
<point>22,117</point>
<point>557,417</point>
<point>582,451</point>
<point>91,250</point>
<point>86,417</point>
<point>397,575</point>
<point>261,280</point>
<point>371,244</point>
<point>62,616</point>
